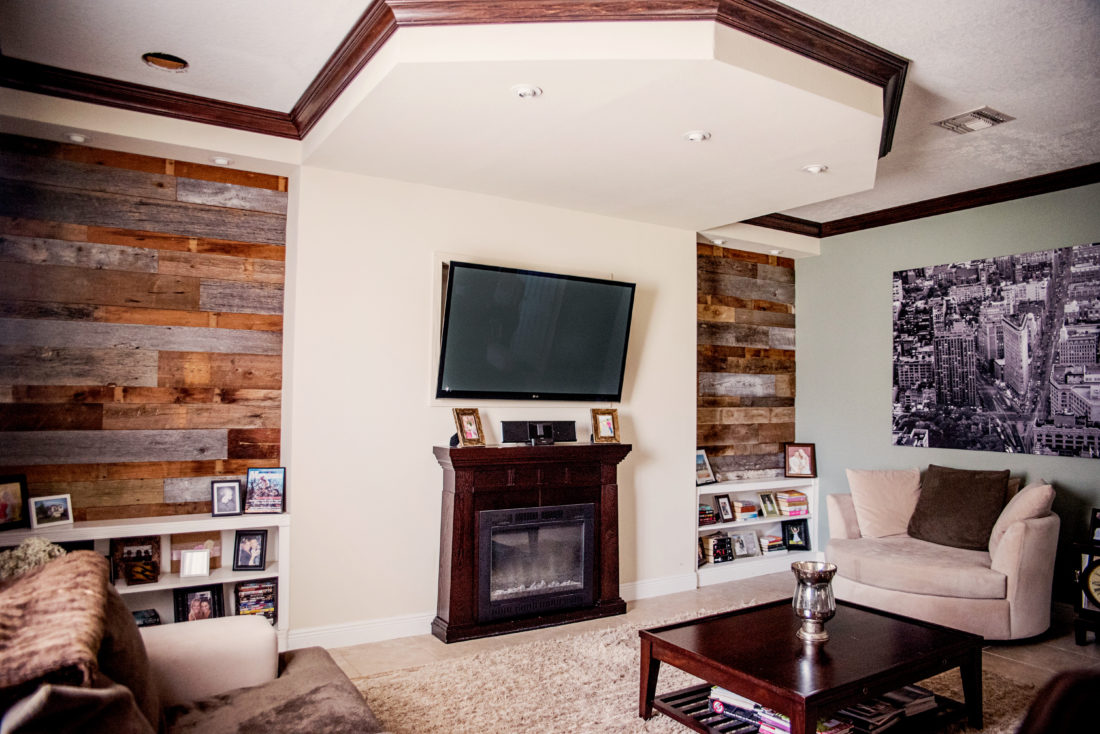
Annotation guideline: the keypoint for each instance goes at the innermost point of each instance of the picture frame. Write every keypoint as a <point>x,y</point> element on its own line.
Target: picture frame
<point>198,602</point>
<point>225,497</point>
<point>250,550</point>
<point>265,491</point>
<point>769,505</point>
<point>745,544</point>
<point>605,425</point>
<point>468,426</point>
<point>799,460</point>
<point>724,507</point>
<point>1094,526</point>
<point>703,473</point>
<point>56,509</point>
<point>127,553</point>
<point>194,563</point>
<point>258,597</point>
<point>14,504</point>
<point>210,540</point>
<point>796,535</point>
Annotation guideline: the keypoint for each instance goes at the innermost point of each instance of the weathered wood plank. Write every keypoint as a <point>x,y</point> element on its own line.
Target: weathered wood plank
<point>194,489</point>
<point>780,338</point>
<point>178,243</point>
<point>746,466</point>
<point>785,386</point>
<point>215,193</point>
<point>85,447</point>
<point>157,416</point>
<point>725,314</point>
<point>776,432</point>
<point>87,177</point>
<point>114,210</point>
<point>722,435</point>
<point>60,394</point>
<point>207,172</point>
<point>726,266</point>
<point>763,290</point>
<point>38,417</point>
<point>260,443</point>
<point>44,251</point>
<point>745,366</point>
<point>59,284</point>
<point>60,311</point>
<point>712,383</point>
<point>165,317</point>
<point>222,267</point>
<point>151,510</point>
<point>109,493</point>
<point>49,366</point>
<point>83,154</point>
<point>744,415</point>
<point>75,334</point>
<point>135,470</point>
<point>25,227</point>
<point>732,335</point>
<point>198,369</point>
<point>222,295</point>
<point>776,273</point>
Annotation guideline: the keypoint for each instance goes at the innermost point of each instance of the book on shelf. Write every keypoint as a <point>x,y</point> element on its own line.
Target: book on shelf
<point>792,502</point>
<point>733,705</point>
<point>707,516</point>
<point>717,548</point>
<point>871,717</point>
<point>745,510</point>
<point>911,699</point>
<point>772,545</point>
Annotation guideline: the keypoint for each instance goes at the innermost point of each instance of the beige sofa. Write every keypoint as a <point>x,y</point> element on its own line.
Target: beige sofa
<point>1002,592</point>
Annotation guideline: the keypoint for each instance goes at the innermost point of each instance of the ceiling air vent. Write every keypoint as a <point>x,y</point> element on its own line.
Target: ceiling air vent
<point>974,120</point>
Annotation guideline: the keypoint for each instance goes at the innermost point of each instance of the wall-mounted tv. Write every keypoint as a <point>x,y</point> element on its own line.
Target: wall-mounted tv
<point>524,335</point>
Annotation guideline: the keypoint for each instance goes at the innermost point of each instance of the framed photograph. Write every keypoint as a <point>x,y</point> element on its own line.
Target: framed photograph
<point>468,424</point>
<point>208,540</point>
<point>250,550</point>
<point>258,597</point>
<point>194,563</point>
<point>769,507</point>
<point>225,497</point>
<point>13,502</point>
<point>1094,525</point>
<point>265,491</point>
<point>198,602</point>
<point>57,509</point>
<point>724,508</point>
<point>703,473</point>
<point>605,425</point>
<point>796,535</point>
<point>128,552</point>
<point>799,460</point>
<point>745,544</point>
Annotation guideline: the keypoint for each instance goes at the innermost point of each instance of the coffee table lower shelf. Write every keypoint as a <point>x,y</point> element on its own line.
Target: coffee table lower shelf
<point>689,707</point>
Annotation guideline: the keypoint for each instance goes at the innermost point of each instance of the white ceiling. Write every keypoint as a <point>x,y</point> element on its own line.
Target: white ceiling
<point>607,134</point>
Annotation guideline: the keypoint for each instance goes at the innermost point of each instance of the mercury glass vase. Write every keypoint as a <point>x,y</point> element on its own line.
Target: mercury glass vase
<point>813,600</point>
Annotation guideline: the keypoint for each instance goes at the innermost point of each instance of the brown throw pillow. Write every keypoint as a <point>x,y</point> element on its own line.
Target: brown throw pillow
<point>958,507</point>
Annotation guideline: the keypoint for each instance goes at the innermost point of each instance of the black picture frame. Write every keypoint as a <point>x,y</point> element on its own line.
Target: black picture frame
<point>14,507</point>
<point>725,509</point>
<point>796,535</point>
<point>1094,526</point>
<point>265,491</point>
<point>225,497</point>
<point>246,558</point>
<point>185,597</point>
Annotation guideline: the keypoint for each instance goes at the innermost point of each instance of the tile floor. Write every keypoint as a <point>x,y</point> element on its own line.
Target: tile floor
<point>1031,662</point>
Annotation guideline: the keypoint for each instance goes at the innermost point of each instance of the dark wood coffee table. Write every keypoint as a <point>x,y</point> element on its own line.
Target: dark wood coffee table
<point>754,652</point>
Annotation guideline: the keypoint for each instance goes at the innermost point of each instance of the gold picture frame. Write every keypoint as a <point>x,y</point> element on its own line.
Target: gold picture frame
<point>468,425</point>
<point>605,425</point>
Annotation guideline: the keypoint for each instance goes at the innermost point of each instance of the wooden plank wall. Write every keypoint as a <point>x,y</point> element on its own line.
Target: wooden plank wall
<point>745,348</point>
<point>141,326</point>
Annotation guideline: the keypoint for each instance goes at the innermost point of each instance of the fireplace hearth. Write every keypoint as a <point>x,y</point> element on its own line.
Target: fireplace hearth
<point>528,537</point>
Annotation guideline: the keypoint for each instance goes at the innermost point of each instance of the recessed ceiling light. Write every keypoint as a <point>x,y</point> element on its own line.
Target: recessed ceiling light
<point>718,241</point>
<point>164,62</point>
<point>696,136</point>
<point>221,160</point>
<point>527,91</point>
<point>77,138</point>
<point>815,168</point>
<point>776,252</point>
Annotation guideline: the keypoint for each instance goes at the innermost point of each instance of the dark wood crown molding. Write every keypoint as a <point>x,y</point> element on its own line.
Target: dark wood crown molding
<point>1044,184</point>
<point>763,19</point>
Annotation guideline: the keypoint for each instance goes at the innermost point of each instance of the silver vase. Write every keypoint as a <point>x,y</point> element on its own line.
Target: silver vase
<point>813,600</point>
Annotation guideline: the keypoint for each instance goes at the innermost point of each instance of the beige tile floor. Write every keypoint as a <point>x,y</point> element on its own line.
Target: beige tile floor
<point>1031,662</point>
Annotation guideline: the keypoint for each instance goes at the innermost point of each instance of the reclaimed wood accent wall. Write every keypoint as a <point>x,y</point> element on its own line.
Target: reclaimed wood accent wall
<point>141,326</point>
<point>745,361</point>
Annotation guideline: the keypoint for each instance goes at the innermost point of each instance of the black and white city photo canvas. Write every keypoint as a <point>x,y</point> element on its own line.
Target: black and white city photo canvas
<point>1000,354</point>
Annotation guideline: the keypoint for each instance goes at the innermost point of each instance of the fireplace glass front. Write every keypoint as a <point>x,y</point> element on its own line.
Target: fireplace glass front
<point>535,559</point>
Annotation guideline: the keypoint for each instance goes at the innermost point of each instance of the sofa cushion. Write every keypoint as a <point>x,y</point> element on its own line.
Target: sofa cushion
<point>902,563</point>
<point>1034,500</point>
<point>958,507</point>
<point>884,499</point>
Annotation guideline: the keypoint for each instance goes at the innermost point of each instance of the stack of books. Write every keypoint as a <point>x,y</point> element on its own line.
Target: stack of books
<point>744,510</point>
<point>879,714</point>
<point>772,722</point>
<point>717,548</point>
<point>706,515</point>
<point>257,597</point>
<point>738,708</point>
<point>792,502</point>
<point>772,545</point>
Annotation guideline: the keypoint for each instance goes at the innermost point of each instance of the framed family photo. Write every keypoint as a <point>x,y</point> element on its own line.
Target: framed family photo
<point>265,491</point>
<point>605,425</point>
<point>198,602</point>
<point>56,509</point>
<point>225,497</point>
<point>468,424</point>
<point>13,502</point>
<point>250,550</point>
<point>703,472</point>
<point>799,460</point>
<point>724,507</point>
<point>769,506</point>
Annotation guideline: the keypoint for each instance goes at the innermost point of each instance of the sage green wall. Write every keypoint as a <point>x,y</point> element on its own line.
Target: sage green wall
<point>844,340</point>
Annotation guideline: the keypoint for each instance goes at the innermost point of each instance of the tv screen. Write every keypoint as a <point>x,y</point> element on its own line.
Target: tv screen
<point>525,335</point>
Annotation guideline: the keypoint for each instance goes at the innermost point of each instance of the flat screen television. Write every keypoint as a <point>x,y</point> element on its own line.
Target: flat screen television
<point>524,335</point>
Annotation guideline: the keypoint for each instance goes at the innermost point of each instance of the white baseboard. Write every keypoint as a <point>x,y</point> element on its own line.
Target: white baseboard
<point>390,628</point>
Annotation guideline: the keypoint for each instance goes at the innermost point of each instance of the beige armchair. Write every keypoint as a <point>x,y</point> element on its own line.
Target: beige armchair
<point>1002,593</point>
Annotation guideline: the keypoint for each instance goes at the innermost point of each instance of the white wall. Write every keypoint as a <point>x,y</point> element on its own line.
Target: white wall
<point>364,487</point>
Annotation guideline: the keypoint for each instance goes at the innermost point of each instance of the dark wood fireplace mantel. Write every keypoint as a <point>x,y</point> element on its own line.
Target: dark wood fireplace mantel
<point>480,478</point>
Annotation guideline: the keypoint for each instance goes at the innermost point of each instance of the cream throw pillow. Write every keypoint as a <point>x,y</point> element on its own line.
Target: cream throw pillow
<point>1034,500</point>
<point>884,499</point>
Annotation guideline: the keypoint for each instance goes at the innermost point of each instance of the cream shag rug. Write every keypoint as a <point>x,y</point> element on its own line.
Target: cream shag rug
<point>588,682</point>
